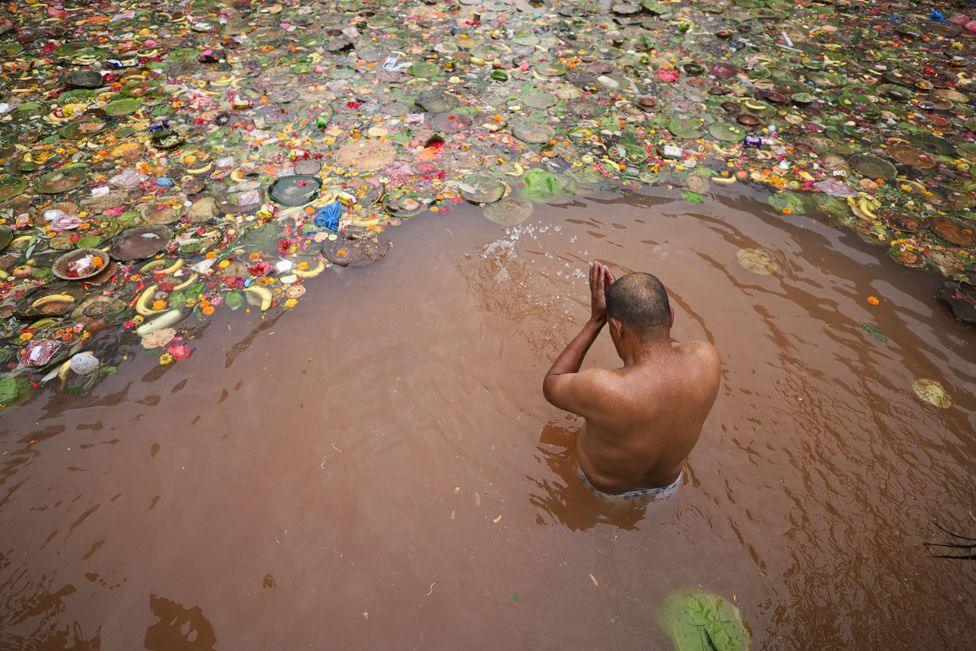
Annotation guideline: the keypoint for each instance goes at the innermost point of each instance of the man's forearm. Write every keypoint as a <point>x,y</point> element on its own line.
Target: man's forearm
<point>570,360</point>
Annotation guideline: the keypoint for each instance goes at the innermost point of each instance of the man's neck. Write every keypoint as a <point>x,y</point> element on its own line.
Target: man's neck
<point>645,352</point>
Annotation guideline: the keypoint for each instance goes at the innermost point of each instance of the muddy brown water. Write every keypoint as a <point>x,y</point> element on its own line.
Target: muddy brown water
<point>378,469</point>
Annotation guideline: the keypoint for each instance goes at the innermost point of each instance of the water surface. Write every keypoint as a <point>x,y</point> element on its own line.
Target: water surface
<point>379,469</point>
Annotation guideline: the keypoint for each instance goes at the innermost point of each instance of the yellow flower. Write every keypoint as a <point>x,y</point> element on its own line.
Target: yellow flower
<point>290,303</point>
<point>165,359</point>
<point>26,336</point>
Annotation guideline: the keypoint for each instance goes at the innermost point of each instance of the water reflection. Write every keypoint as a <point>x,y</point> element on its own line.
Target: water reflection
<point>31,612</point>
<point>564,498</point>
<point>179,628</point>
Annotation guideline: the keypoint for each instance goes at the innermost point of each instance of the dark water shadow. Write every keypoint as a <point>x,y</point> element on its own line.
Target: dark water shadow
<point>179,628</point>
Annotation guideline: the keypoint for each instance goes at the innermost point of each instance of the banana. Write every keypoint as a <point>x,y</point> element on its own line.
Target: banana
<point>753,106</point>
<point>519,170</point>
<point>310,273</point>
<point>262,293</point>
<point>53,298</point>
<point>187,282</point>
<point>170,269</point>
<point>43,323</point>
<point>855,208</point>
<point>864,205</point>
<point>144,298</point>
<point>151,265</point>
<point>724,180</point>
<point>63,370</point>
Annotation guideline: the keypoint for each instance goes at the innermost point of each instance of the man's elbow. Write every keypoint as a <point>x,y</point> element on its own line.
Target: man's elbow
<point>549,389</point>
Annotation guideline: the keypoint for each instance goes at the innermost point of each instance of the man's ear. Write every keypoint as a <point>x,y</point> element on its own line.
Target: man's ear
<point>672,317</point>
<point>614,327</point>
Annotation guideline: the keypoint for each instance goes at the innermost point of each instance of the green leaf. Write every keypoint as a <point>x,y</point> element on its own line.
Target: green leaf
<point>692,197</point>
<point>88,241</point>
<point>699,621</point>
<point>194,289</point>
<point>874,332</point>
<point>541,185</point>
<point>783,200</point>
<point>234,300</point>
<point>177,299</point>
<point>9,388</point>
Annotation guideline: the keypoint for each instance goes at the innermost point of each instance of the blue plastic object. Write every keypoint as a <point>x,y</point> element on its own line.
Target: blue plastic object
<point>937,15</point>
<point>328,216</point>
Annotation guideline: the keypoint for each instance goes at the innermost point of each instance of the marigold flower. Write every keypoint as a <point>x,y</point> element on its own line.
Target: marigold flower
<point>165,359</point>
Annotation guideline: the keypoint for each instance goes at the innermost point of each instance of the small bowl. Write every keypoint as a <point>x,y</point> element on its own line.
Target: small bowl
<point>60,266</point>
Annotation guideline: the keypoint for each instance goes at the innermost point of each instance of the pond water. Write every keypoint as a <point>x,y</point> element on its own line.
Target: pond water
<point>379,469</point>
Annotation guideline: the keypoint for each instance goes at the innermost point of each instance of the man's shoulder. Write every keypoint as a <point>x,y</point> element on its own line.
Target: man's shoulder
<point>600,377</point>
<point>704,355</point>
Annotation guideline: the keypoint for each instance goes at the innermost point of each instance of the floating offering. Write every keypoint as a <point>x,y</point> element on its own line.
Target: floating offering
<point>510,211</point>
<point>932,392</point>
<point>757,261</point>
<point>80,264</point>
<point>218,139</point>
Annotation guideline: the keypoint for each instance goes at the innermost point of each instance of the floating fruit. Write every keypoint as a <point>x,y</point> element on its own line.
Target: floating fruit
<point>258,296</point>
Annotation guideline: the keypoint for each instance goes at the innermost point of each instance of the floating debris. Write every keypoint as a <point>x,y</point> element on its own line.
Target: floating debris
<point>222,154</point>
<point>758,261</point>
<point>932,392</point>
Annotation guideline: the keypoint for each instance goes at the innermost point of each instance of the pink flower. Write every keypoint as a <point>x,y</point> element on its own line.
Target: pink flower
<point>670,75</point>
<point>179,351</point>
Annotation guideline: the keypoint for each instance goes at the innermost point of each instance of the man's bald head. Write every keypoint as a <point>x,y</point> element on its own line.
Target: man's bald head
<point>640,303</point>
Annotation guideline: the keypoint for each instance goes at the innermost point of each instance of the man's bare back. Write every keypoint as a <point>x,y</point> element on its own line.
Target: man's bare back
<point>642,420</point>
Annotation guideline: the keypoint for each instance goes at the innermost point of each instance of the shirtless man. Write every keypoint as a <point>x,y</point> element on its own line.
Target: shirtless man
<point>642,420</point>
